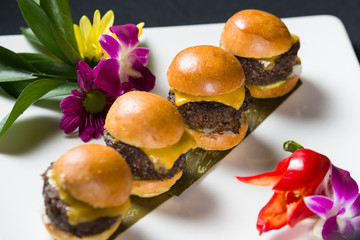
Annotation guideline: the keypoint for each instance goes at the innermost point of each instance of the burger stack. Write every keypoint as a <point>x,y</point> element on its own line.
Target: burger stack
<point>86,191</point>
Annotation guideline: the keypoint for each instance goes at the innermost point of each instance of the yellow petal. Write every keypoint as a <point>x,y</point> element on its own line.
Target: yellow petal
<point>85,27</point>
<point>96,22</point>
<point>79,40</point>
<point>140,27</point>
<point>106,22</point>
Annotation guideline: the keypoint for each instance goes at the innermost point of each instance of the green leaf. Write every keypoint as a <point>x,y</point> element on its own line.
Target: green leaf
<point>35,56</point>
<point>30,36</point>
<point>55,69</point>
<point>10,74</point>
<point>15,88</point>
<point>71,54</point>
<point>59,13</point>
<point>13,60</point>
<point>62,90</point>
<point>29,95</point>
<point>40,25</point>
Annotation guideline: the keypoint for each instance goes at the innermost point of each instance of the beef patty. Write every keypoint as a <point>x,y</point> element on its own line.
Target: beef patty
<point>139,163</point>
<point>257,75</point>
<point>56,211</point>
<point>212,116</point>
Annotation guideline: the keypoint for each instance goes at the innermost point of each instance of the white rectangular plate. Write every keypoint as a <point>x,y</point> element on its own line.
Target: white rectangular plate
<point>323,114</point>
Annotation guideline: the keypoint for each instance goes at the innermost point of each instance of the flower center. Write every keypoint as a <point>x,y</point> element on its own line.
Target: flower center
<point>94,101</point>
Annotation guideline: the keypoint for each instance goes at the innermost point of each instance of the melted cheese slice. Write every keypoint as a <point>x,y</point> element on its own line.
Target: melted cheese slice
<point>80,212</point>
<point>234,99</point>
<point>165,157</point>
<point>269,63</point>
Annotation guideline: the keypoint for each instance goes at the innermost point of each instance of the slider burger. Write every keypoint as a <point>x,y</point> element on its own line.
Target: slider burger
<point>207,87</point>
<point>86,191</point>
<point>266,50</point>
<point>149,133</point>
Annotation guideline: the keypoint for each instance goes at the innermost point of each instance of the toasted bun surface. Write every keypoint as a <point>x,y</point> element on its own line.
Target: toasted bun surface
<point>255,34</point>
<point>144,120</point>
<point>219,142</point>
<point>152,188</point>
<point>59,234</point>
<point>95,174</point>
<point>205,71</point>
<point>276,91</point>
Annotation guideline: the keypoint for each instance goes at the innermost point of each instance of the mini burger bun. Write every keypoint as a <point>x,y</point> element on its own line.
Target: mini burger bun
<point>152,188</point>
<point>276,91</point>
<point>205,71</point>
<point>220,142</point>
<point>144,120</point>
<point>62,235</point>
<point>95,174</point>
<point>255,34</point>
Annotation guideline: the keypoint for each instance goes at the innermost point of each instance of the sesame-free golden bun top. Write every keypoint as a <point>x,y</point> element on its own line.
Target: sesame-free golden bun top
<point>144,120</point>
<point>95,174</point>
<point>205,71</point>
<point>255,34</point>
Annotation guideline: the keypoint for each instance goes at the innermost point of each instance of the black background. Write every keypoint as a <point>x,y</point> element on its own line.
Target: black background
<point>183,12</point>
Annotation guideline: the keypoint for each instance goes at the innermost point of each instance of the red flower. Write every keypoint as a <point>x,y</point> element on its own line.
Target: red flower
<point>293,178</point>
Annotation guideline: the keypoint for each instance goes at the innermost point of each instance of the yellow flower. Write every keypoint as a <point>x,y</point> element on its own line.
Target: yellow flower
<point>87,35</point>
<point>140,27</point>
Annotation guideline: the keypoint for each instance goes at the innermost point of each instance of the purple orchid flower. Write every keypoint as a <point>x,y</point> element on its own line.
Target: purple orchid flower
<point>130,60</point>
<point>87,109</point>
<point>339,211</point>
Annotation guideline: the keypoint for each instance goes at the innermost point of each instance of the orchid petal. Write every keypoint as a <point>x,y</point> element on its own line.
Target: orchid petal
<point>320,205</point>
<point>141,54</point>
<point>111,46</point>
<point>345,188</point>
<point>356,223</point>
<point>126,87</point>
<point>354,210</point>
<point>146,80</point>
<point>85,76</point>
<point>108,78</point>
<point>127,35</point>
<point>331,229</point>
<point>347,229</point>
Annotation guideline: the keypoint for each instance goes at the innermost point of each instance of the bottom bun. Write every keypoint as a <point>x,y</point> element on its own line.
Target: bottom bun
<point>59,234</point>
<point>276,91</point>
<point>152,188</point>
<point>220,142</point>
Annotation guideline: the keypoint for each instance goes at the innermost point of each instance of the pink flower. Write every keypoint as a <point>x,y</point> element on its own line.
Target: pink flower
<point>87,109</point>
<point>130,60</point>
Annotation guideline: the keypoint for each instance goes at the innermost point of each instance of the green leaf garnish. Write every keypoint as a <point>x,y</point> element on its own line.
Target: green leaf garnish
<point>59,13</point>
<point>40,25</point>
<point>29,95</point>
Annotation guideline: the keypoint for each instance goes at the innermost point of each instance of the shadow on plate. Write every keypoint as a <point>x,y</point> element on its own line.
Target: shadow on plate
<point>194,204</point>
<point>308,105</point>
<point>25,135</point>
<point>300,231</point>
<point>252,155</point>
<point>130,234</point>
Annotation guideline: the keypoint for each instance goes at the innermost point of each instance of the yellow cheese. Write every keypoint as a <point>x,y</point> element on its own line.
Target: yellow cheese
<point>165,157</point>
<point>273,85</point>
<point>234,99</point>
<point>80,212</point>
<point>269,63</point>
